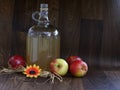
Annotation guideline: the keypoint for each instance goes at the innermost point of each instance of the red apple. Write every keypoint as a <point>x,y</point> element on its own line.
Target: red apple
<point>59,66</point>
<point>71,59</point>
<point>16,61</point>
<point>78,68</point>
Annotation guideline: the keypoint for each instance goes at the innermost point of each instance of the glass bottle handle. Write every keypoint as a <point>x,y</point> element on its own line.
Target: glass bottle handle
<point>34,14</point>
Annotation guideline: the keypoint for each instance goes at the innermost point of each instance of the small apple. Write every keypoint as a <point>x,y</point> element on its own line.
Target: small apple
<point>16,61</point>
<point>71,59</point>
<point>59,66</point>
<point>78,68</point>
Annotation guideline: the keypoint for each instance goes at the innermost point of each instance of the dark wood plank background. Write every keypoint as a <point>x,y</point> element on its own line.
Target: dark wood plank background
<point>88,28</point>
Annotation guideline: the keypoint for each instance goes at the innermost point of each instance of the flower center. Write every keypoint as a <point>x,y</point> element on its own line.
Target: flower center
<point>32,72</point>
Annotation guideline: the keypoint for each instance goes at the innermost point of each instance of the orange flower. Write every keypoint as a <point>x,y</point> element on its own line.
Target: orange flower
<point>32,71</point>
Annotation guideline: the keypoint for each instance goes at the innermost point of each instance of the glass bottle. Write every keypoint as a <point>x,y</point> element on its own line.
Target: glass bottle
<point>43,40</point>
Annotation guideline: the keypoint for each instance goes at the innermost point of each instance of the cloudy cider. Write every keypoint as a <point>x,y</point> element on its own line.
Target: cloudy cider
<point>43,40</point>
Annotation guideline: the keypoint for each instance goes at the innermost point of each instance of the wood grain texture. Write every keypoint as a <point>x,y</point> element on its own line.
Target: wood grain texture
<point>92,9</point>
<point>69,27</point>
<point>54,12</point>
<point>90,41</point>
<point>89,29</point>
<point>97,80</point>
<point>110,40</point>
<point>100,46</point>
<point>22,21</point>
<point>20,82</point>
<point>94,80</point>
<point>6,16</point>
<point>114,78</point>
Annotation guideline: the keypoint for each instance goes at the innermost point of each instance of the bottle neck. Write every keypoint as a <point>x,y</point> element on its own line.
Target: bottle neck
<point>43,17</point>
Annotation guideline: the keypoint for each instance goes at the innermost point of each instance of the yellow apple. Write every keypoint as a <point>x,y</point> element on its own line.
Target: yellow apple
<point>59,66</point>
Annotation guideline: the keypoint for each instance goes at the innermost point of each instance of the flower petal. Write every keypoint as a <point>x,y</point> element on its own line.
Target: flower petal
<point>32,68</point>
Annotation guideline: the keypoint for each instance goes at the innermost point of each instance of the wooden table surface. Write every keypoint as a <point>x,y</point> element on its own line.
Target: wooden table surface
<point>94,80</point>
